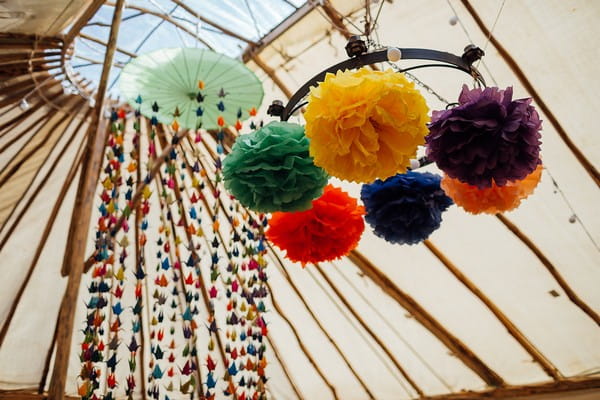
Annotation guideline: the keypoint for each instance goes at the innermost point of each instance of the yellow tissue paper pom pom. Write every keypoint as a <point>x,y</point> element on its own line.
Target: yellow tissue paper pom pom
<point>365,124</point>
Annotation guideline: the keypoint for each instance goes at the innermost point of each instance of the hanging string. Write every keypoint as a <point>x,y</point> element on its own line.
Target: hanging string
<point>487,42</point>
<point>464,28</point>
<point>574,217</point>
<point>258,35</point>
<point>376,310</point>
<point>362,334</point>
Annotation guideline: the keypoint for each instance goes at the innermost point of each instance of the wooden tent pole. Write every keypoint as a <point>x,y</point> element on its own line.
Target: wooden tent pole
<point>83,19</point>
<point>551,269</point>
<point>512,329</point>
<point>45,234</point>
<point>370,331</point>
<point>271,74</point>
<point>77,239</point>
<point>455,345</point>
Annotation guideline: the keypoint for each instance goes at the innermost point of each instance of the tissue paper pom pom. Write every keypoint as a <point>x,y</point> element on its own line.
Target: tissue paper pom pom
<point>487,137</point>
<point>270,169</point>
<point>405,208</point>
<point>365,124</point>
<point>329,230</point>
<point>495,199</point>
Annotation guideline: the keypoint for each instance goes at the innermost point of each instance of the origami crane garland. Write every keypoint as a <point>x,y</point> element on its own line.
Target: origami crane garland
<point>192,264</point>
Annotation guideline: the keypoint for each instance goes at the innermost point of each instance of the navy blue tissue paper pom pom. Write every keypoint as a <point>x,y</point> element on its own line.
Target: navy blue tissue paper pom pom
<point>405,208</point>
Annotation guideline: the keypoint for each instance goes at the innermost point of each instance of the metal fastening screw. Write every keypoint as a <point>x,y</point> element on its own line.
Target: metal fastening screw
<point>472,53</point>
<point>276,108</point>
<point>356,46</point>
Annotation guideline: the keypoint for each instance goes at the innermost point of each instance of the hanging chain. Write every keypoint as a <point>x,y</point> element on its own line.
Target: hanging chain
<point>419,83</point>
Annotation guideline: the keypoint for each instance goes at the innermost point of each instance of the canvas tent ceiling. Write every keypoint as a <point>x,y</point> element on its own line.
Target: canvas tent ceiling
<point>476,277</point>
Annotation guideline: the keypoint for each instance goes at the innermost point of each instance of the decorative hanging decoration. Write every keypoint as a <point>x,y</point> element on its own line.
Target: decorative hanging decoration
<point>197,86</point>
<point>188,285</point>
<point>270,169</point>
<point>329,230</point>
<point>488,139</point>
<point>365,124</point>
<point>492,200</point>
<point>405,208</point>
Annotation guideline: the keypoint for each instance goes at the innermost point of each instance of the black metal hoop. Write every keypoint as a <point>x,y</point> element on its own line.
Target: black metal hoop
<point>447,60</point>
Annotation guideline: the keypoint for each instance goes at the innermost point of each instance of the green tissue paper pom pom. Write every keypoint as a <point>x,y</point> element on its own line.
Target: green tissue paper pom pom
<point>270,169</point>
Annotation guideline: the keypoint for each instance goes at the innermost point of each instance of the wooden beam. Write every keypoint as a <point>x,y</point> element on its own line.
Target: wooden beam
<point>565,387</point>
<point>455,345</point>
<point>271,73</point>
<point>212,23</point>
<point>255,49</point>
<point>46,232</point>
<point>167,18</point>
<point>514,66</point>
<point>370,331</point>
<point>103,43</point>
<point>28,395</point>
<point>83,19</point>
<point>77,239</point>
<point>336,18</point>
<point>551,268</point>
<point>512,329</point>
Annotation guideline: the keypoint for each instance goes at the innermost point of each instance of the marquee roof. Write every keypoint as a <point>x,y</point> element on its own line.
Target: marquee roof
<point>498,306</point>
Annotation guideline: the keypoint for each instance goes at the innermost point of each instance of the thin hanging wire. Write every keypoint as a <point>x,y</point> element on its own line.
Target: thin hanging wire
<point>258,35</point>
<point>419,82</point>
<point>464,28</point>
<point>487,42</point>
<point>358,330</point>
<point>413,350</point>
<point>574,217</point>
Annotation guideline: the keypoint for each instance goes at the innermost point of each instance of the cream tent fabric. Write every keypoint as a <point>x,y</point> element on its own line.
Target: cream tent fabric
<point>344,328</point>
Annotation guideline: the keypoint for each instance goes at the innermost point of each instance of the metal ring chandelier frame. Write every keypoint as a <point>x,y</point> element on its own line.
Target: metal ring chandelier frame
<point>357,50</point>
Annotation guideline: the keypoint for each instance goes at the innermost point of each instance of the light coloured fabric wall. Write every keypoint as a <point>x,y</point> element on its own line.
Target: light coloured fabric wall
<point>552,43</point>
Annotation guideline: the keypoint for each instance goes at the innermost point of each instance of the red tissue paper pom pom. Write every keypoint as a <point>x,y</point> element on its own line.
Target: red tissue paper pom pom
<point>329,230</point>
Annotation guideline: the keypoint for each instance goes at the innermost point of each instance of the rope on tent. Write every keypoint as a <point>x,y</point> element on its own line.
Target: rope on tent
<point>393,328</point>
<point>371,333</point>
<point>302,298</point>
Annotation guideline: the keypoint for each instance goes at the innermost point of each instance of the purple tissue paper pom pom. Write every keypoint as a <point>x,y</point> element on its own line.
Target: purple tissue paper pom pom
<point>488,137</point>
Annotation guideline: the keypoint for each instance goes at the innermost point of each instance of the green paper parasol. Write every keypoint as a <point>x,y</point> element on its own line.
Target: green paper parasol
<point>196,85</point>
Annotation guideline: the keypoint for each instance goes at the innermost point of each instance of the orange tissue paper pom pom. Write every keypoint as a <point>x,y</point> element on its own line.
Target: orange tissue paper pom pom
<point>329,230</point>
<point>492,200</point>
